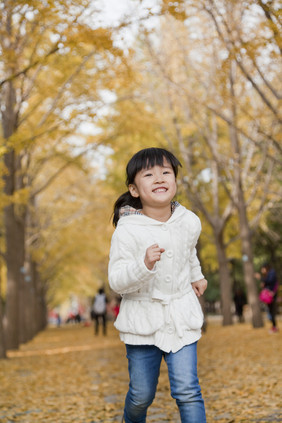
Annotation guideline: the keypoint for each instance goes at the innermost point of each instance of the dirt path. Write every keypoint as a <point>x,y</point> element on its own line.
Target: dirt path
<point>68,375</point>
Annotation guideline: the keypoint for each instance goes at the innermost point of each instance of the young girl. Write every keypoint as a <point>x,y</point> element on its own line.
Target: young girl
<point>154,267</point>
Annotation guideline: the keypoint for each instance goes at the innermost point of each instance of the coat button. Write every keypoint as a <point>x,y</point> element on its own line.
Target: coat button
<point>169,253</point>
<point>168,278</point>
<point>170,330</point>
<point>164,227</point>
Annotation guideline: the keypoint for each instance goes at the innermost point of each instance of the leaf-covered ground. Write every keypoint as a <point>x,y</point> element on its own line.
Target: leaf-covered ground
<point>68,375</point>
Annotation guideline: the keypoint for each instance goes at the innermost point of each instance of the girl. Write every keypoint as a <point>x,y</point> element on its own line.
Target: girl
<point>154,267</point>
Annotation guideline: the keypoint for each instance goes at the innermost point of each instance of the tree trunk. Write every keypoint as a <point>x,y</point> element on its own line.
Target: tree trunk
<point>2,337</point>
<point>14,263</point>
<point>31,276</point>
<point>248,264</point>
<point>30,295</point>
<point>245,233</point>
<point>13,223</point>
<point>26,310</point>
<point>40,299</point>
<point>225,280</point>
<point>14,235</point>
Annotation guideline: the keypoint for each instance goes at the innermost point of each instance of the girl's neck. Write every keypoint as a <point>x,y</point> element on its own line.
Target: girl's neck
<point>161,214</point>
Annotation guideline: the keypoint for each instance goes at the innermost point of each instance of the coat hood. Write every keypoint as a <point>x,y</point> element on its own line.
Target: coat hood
<point>137,218</point>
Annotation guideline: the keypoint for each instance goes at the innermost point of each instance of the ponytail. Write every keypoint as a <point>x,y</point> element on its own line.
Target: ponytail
<point>125,199</point>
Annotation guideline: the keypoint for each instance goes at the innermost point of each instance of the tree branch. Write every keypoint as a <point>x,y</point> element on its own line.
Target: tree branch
<point>30,66</point>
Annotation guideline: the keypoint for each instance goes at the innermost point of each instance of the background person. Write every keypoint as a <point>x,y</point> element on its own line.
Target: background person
<point>270,281</point>
<point>99,311</point>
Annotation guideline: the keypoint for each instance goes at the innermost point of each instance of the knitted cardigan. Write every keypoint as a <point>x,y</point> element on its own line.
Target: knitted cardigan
<point>159,306</point>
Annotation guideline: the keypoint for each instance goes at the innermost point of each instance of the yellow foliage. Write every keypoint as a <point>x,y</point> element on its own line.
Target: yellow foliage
<point>75,233</point>
<point>21,196</point>
<point>3,149</point>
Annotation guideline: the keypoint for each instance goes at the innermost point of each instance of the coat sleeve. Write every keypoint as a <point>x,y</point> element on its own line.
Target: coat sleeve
<point>196,272</point>
<point>127,271</point>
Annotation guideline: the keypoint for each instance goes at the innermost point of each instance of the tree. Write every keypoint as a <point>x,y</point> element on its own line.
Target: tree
<point>49,85</point>
<point>244,55</point>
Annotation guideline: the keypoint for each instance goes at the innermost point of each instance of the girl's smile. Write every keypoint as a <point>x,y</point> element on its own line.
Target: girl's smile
<point>157,190</point>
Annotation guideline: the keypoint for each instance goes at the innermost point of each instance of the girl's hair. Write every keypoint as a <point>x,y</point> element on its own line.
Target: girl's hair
<point>144,159</point>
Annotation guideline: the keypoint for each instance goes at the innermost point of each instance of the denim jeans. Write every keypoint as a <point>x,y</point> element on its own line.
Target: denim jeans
<point>144,368</point>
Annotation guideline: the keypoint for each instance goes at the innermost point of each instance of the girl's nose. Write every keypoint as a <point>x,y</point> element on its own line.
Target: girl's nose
<point>159,178</point>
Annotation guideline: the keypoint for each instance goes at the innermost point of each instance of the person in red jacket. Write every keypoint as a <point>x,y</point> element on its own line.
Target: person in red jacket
<point>270,281</point>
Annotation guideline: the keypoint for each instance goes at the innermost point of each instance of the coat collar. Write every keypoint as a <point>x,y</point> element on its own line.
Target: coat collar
<point>130,215</point>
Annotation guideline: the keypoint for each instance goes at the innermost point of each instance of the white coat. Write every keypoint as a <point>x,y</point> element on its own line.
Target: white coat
<point>159,306</point>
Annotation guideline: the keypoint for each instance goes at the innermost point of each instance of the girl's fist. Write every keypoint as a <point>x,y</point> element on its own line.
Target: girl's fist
<point>153,254</point>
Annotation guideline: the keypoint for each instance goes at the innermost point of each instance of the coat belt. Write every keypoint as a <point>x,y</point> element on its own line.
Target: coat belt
<point>157,295</point>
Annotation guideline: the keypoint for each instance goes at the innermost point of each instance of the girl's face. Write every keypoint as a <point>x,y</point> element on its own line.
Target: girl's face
<point>155,186</point>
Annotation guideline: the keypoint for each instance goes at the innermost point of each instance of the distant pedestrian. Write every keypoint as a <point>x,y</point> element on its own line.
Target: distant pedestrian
<point>270,282</point>
<point>154,266</point>
<point>239,299</point>
<point>58,319</point>
<point>99,311</point>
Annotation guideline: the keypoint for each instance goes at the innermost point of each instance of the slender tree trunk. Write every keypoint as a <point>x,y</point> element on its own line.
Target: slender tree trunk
<point>225,280</point>
<point>2,337</point>
<point>31,288</point>
<point>26,311</point>
<point>30,296</point>
<point>248,264</point>
<point>40,300</point>
<point>245,232</point>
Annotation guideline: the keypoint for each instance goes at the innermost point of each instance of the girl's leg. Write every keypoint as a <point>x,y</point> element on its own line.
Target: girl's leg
<point>184,384</point>
<point>144,367</point>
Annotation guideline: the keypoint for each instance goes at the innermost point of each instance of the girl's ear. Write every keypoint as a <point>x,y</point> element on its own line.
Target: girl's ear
<point>133,190</point>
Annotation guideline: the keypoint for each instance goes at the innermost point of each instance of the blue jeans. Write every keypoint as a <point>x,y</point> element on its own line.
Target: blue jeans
<point>144,368</point>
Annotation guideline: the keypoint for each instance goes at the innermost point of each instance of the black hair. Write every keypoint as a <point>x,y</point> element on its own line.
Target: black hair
<point>143,159</point>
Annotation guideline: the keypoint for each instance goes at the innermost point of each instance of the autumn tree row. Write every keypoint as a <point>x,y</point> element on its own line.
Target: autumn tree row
<point>201,81</point>
<point>55,61</point>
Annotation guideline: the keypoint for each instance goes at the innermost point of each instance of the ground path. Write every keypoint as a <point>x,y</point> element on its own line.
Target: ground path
<point>68,375</point>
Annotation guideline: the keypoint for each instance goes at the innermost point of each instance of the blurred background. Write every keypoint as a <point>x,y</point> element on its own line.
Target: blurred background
<point>83,86</point>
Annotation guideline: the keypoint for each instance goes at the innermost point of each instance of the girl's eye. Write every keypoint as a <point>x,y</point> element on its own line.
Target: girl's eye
<point>148,174</point>
<point>167,172</point>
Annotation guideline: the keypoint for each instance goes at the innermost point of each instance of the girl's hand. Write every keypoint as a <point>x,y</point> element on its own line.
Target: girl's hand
<point>153,254</point>
<point>200,286</point>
